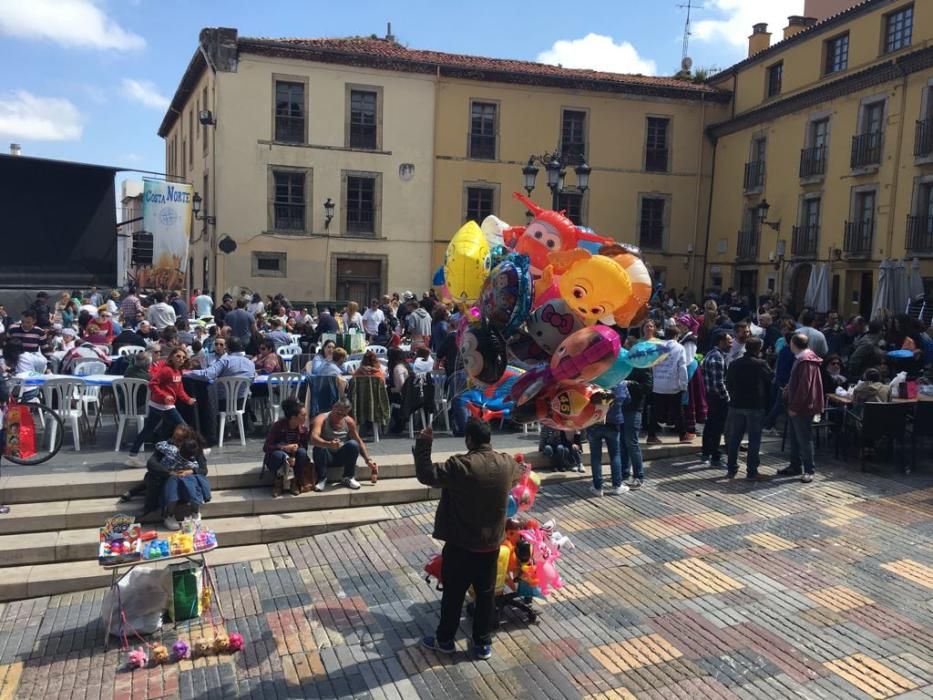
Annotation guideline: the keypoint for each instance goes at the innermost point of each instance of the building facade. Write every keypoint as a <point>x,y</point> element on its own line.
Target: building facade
<point>831,131</point>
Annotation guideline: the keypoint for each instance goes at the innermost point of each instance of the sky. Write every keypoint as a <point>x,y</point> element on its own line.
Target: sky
<point>90,80</point>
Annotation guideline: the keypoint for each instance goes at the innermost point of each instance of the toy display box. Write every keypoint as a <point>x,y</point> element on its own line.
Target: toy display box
<point>119,541</point>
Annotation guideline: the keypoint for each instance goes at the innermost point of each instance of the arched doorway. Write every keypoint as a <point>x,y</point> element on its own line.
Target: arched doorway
<point>799,281</point>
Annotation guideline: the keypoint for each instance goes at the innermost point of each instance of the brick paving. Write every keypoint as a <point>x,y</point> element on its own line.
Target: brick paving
<point>693,587</point>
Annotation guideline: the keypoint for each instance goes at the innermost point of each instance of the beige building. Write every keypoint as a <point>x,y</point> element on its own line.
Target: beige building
<point>270,131</point>
<point>832,129</point>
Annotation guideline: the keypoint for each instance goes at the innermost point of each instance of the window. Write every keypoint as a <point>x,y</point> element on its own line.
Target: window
<point>204,127</point>
<point>865,207</point>
<point>289,112</point>
<point>898,27</point>
<point>872,118</point>
<point>755,167</point>
<point>571,203</point>
<point>811,213</point>
<point>837,54</point>
<point>656,146</point>
<point>813,157</point>
<point>651,226</point>
<point>573,134</point>
<point>819,133</point>
<point>361,205</point>
<point>866,145</point>
<point>363,129</point>
<point>289,201</point>
<point>191,134</point>
<point>483,130</point>
<point>775,76</point>
<point>480,203</point>
<point>269,265</point>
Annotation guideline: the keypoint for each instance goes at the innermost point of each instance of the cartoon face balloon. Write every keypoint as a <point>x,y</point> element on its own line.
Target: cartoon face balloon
<point>506,295</point>
<point>576,406</point>
<point>619,370</point>
<point>466,263</point>
<point>548,232</point>
<point>629,257</point>
<point>586,354</point>
<point>483,353</point>
<point>551,323</point>
<point>594,286</point>
<point>648,353</point>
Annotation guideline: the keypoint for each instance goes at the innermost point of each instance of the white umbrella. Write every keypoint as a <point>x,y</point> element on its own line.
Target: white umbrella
<point>883,292</point>
<point>817,296</point>
<point>915,285</point>
<point>901,293</point>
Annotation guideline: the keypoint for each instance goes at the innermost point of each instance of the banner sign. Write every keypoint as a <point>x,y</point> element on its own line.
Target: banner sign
<point>167,226</point>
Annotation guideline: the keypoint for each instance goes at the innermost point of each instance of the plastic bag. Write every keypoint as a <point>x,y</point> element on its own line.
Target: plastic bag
<point>899,379</point>
<point>143,592</point>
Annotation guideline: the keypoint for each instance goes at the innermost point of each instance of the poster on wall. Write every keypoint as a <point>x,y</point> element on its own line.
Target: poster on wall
<point>165,232</point>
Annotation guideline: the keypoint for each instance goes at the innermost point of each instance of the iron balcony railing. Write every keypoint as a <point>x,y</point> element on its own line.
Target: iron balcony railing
<point>920,234</point>
<point>747,248</point>
<point>858,237</point>
<point>754,175</point>
<point>866,149</point>
<point>813,161</point>
<point>805,241</point>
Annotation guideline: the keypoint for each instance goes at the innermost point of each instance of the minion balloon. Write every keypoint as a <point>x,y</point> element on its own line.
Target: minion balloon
<point>466,263</point>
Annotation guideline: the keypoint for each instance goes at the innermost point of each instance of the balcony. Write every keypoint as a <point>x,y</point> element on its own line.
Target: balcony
<point>754,175</point>
<point>923,138</point>
<point>920,234</point>
<point>747,248</point>
<point>813,162</point>
<point>858,237</point>
<point>805,241</point>
<point>866,150</point>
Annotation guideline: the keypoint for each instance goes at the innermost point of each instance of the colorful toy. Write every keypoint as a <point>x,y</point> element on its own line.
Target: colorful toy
<point>138,658</point>
<point>593,286</point>
<point>648,353</point>
<point>620,370</point>
<point>466,263</point>
<point>526,489</point>
<point>221,643</point>
<point>484,354</point>
<point>180,650</point>
<point>506,295</point>
<point>202,647</point>
<point>552,323</point>
<point>549,231</point>
<point>629,258</point>
<point>235,642</point>
<point>494,229</point>
<point>160,654</point>
<point>119,540</point>
<point>181,543</point>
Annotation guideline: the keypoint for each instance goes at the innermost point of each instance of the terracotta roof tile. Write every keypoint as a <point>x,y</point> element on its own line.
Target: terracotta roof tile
<point>390,50</point>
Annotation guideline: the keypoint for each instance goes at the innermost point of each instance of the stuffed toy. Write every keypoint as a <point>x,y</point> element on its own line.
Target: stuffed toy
<point>138,658</point>
<point>159,654</point>
<point>180,650</point>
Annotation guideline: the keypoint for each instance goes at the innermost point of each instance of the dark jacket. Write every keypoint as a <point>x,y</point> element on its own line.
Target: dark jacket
<point>277,436</point>
<point>640,383</point>
<point>127,337</point>
<point>475,487</point>
<point>805,388</point>
<point>748,380</point>
<point>157,475</point>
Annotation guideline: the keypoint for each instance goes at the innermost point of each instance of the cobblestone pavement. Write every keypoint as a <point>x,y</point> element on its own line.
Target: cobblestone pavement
<point>693,587</point>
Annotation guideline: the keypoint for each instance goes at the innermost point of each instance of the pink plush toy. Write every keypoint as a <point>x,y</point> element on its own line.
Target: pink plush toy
<point>138,658</point>
<point>236,642</point>
<point>545,557</point>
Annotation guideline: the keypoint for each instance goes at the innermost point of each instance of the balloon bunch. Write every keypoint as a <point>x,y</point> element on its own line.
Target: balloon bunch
<point>544,296</point>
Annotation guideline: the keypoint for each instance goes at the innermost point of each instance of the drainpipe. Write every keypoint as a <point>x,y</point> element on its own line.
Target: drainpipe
<point>897,160</point>
<point>696,209</point>
<point>709,216</point>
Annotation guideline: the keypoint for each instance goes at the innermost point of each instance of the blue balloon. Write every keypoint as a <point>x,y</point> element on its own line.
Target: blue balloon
<point>648,353</point>
<point>438,277</point>
<point>615,374</point>
<point>511,507</point>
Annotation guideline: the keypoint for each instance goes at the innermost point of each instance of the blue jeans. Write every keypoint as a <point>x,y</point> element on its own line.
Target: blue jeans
<point>193,489</point>
<point>800,430</point>
<point>628,442</point>
<point>777,407</point>
<point>742,420</point>
<point>153,418</point>
<point>345,457</point>
<point>276,460</point>
<point>609,434</point>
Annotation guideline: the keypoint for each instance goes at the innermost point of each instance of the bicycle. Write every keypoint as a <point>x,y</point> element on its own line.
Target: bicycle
<point>33,431</point>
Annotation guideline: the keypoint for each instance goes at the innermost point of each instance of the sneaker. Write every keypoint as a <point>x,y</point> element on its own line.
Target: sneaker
<point>595,491</point>
<point>635,483</point>
<point>435,644</point>
<point>482,651</point>
<point>135,461</point>
<point>126,497</point>
<point>171,524</point>
<point>206,451</point>
<point>790,471</point>
<point>321,485</point>
<point>618,490</point>
<point>653,440</point>
<point>806,478</point>
<point>350,483</point>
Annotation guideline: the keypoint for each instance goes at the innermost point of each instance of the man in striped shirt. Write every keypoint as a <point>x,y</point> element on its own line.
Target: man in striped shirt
<point>28,332</point>
<point>131,309</point>
<point>717,398</point>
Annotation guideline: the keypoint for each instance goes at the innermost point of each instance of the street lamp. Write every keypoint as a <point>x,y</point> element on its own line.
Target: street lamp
<point>196,202</point>
<point>763,210</point>
<point>583,176</point>
<point>529,175</point>
<point>328,213</point>
<point>555,167</point>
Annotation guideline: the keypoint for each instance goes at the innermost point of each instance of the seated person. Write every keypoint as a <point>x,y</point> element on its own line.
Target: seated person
<point>871,388</point>
<point>128,337</point>
<point>277,334</point>
<point>832,374</point>
<point>423,360</point>
<point>564,452</point>
<point>267,361</point>
<point>325,354</point>
<point>336,442</point>
<point>233,363</point>
<point>84,351</point>
<point>398,371</point>
<point>184,483</point>
<point>370,366</point>
<point>286,450</point>
<point>100,331</point>
<point>334,368</point>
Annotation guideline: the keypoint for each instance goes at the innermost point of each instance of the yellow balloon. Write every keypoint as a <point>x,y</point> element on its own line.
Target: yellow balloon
<point>466,264</point>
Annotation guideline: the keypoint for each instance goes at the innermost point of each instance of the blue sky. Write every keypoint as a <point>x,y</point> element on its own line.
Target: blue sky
<point>88,80</point>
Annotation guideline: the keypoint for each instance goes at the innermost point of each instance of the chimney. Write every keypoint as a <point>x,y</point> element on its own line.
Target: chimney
<point>796,24</point>
<point>390,37</point>
<point>759,40</point>
<point>16,149</point>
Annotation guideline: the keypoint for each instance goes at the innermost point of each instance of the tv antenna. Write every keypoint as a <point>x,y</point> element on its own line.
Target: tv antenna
<point>684,59</point>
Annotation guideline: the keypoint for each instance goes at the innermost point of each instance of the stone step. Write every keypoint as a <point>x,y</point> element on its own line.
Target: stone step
<point>81,544</point>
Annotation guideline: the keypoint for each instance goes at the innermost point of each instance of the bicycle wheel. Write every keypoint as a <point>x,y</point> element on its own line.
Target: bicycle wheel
<point>48,429</point>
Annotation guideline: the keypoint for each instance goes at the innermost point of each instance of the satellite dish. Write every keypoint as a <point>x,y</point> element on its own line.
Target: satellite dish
<point>686,63</point>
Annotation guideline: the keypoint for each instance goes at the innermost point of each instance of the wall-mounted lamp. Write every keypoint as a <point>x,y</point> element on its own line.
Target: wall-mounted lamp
<point>763,209</point>
<point>196,202</point>
<point>328,213</point>
<point>206,118</point>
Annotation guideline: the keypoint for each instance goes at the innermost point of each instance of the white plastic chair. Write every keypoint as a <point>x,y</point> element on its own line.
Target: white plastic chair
<point>350,366</point>
<point>282,385</point>
<point>236,394</point>
<point>380,350</point>
<point>84,367</point>
<point>129,407</point>
<point>129,350</point>
<point>66,396</point>
<point>287,352</point>
<point>441,401</point>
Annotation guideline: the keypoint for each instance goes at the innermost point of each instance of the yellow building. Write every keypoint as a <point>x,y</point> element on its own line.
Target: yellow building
<point>832,128</point>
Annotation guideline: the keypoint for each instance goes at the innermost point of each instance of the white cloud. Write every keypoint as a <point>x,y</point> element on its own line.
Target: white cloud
<point>598,52</point>
<point>71,23</point>
<point>145,92</point>
<point>29,117</point>
<point>736,17</point>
